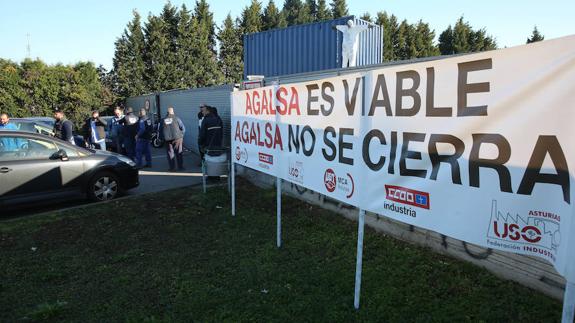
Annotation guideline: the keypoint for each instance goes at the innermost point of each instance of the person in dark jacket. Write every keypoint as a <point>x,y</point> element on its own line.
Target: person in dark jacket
<point>95,131</point>
<point>130,129</point>
<point>172,130</point>
<point>63,128</point>
<point>143,140</point>
<point>211,132</point>
<point>116,130</point>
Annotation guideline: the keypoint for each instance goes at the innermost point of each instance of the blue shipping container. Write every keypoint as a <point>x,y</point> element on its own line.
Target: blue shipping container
<point>307,48</point>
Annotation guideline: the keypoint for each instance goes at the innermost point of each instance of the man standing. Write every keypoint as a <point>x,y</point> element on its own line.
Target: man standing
<point>143,138</point>
<point>211,132</point>
<point>116,128</point>
<point>130,130</point>
<point>7,144</point>
<point>63,128</point>
<point>172,130</point>
<point>350,42</point>
<point>95,131</point>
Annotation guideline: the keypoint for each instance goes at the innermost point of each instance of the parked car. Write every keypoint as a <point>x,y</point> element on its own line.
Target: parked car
<point>35,167</point>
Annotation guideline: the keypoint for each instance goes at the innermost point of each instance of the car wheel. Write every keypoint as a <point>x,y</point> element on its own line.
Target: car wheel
<point>104,186</point>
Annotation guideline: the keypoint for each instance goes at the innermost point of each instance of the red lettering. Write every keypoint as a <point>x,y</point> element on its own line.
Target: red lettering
<point>268,140</point>
<point>513,232</point>
<point>282,100</point>
<point>278,138</point>
<point>245,132</point>
<point>257,103</point>
<point>238,133</point>
<point>265,104</point>
<point>294,103</point>
<point>248,104</point>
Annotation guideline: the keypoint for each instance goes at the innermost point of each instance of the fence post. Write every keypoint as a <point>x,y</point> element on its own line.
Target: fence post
<point>359,260</point>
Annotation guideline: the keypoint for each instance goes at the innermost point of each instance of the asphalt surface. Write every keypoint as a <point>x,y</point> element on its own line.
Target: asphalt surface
<point>155,179</point>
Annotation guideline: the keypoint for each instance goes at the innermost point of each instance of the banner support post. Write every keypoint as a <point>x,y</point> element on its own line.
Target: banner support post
<point>233,191</point>
<point>279,212</point>
<point>359,260</point>
<point>568,303</point>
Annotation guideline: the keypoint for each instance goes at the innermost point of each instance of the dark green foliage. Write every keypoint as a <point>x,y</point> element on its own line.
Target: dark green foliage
<point>231,51</point>
<point>296,13</point>
<point>405,41</point>
<point>338,9</point>
<point>179,256</point>
<point>157,54</point>
<point>535,36</point>
<point>323,12</point>
<point>463,39</point>
<point>251,21</point>
<point>311,7</point>
<point>186,62</point>
<point>33,88</point>
<point>206,20</point>
<point>129,66</point>
<point>271,16</point>
<point>367,17</point>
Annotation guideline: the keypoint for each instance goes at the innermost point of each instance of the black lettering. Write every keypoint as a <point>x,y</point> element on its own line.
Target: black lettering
<point>309,130</point>
<point>380,86</point>
<point>409,154</point>
<point>546,145</point>
<point>329,143</point>
<point>350,104</point>
<point>464,88</point>
<point>430,109</point>
<point>311,98</point>
<point>392,153</point>
<point>400,92</point>
<point>374,133</point>
<point>497,164</point>
<point>293,138</point>
<point>437,159</point>
<point>327,97</point>
<point>343,145</point>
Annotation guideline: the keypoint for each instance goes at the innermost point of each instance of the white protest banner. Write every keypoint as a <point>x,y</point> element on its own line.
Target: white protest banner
<point>477,147</point>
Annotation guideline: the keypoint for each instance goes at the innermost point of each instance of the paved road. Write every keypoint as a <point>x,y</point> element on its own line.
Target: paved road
<point>153,179</point>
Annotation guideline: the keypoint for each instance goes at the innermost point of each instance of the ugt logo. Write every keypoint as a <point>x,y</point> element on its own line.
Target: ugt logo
<point>330,180</point>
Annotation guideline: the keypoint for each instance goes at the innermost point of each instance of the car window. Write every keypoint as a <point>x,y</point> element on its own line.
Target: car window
<point>14,148</point>
<point>25,126</point>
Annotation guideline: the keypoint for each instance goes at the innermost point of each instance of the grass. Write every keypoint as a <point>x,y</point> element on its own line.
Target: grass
<point>181,257</point>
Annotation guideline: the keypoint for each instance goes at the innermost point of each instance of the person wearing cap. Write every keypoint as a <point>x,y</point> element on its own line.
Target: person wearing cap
<point>63,128</point>
<point>172,130</point>
<point>143,140</point>
<point>129,130</point>
<point>95,131</point>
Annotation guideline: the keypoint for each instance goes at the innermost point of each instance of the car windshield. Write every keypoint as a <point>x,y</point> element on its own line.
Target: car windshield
<point>25,126</point>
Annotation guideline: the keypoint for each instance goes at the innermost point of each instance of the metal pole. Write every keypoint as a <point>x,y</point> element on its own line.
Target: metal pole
<point>569,303</point>
<point>359,260</point>
<point>279,212</point>
<point>233,179</point>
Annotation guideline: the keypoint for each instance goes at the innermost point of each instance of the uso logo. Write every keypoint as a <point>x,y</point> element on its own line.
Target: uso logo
<point>407,196</point>
<point>329,180</point>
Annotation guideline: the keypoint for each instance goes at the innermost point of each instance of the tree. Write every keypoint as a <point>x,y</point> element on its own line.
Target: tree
<point>156,55</point>
<point>170,18</point>
<point>207,70</point>
<point>424,37</point>
<point>129,66</point>
<point>186,62</point>
<point>206,18</point>
<point>311,7</point>
<point>367,17</point>
<point>338,9</point>
<point>463,39</point>
<point>251,21</point>
<point>535,36</point>
<point>231,51</point>
<point>323,12</point>
<point>294,12</point>
<point>271,16</point>
<point>390,33</point>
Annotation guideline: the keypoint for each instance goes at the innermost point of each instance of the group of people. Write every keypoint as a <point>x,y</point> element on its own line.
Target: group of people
<point>131,135</point>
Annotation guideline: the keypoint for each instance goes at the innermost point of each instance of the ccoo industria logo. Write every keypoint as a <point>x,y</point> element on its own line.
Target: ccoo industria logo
<point>407,196</point>
<point>266,158</point>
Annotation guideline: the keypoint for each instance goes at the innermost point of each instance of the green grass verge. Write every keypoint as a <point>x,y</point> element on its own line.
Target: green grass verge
<point>181,257</point>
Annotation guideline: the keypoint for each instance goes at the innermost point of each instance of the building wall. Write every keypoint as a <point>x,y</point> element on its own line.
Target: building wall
<point>186,104</point>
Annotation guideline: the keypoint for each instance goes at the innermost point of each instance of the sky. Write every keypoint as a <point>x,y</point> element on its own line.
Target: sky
<point>68,31</point>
